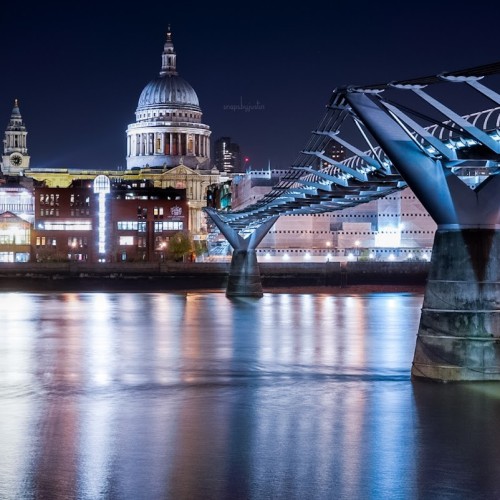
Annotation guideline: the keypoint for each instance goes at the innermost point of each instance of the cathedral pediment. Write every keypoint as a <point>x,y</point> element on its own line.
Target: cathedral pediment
<point>181,170</point>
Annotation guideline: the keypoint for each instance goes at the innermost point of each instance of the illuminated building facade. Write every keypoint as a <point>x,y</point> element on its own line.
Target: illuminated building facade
<point>143,221</point>
<point>168,130</point>
<point>227,155</point>
<point>17,199</point>
<point>395,227</point>
<point>17,215</point>
<point>102,221</point>
<point>63,226</point>
<point>194,182</point>
<point>15,235</point>
<point>335,151</point>
<point>219,196</point>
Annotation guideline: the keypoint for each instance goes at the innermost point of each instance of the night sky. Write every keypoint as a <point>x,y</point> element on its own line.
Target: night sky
<point>78,68</point>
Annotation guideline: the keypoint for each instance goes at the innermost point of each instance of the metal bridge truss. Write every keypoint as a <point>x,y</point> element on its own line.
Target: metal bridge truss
<point>467,145</point>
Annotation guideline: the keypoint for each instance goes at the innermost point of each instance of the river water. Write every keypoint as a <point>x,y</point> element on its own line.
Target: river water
<point>191,395</point>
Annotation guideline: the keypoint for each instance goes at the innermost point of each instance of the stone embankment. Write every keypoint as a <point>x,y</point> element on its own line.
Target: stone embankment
<point>210,275</point>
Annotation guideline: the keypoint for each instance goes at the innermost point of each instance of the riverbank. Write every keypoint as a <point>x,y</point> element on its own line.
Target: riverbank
<point>69,276</point>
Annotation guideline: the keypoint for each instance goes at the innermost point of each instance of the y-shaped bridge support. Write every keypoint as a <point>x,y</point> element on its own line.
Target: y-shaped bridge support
<point>459,333</point>
<point>244,275</point>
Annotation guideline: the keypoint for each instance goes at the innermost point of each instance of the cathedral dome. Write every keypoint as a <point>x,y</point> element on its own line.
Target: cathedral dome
<point>167,91</point>
<point>168,130</point>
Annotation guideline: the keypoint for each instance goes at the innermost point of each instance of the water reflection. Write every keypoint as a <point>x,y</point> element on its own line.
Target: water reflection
<point>189,396</point>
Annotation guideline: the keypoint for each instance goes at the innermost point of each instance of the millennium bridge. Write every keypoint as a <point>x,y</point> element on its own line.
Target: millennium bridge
<point>440,136</point>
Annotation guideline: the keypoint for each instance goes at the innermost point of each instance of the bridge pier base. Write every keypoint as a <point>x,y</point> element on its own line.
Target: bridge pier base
<point>244,275</point>
<point>459,333</point>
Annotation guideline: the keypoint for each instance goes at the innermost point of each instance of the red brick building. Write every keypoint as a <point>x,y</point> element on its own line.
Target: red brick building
<point>101,221</point>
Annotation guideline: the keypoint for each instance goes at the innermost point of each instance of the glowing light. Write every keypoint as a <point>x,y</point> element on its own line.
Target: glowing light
<point>391,257</point>
<point>307,256</point>
<point>285,256</point>
<point>350,256</point>
<point>410,255</point>
<point>66,226</point>
<point>102,187</point>
<point>388,237</point>
<point>372,255</point>
<point>268,255</point>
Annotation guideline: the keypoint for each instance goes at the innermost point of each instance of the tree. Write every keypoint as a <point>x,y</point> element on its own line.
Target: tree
<point>200,247</point>
<point>180,246</point>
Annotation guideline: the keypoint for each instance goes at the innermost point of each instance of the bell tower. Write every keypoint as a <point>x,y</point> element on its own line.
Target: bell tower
<point>15,158</point>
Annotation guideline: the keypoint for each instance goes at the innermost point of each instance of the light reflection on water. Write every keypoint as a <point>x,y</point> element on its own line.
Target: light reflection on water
<point>193,395</point>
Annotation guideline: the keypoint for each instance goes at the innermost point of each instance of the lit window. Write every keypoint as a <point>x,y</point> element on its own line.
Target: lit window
<point>126,241</point>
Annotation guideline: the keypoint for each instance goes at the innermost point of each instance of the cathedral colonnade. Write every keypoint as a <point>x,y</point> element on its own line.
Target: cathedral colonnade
<point>165,143</point>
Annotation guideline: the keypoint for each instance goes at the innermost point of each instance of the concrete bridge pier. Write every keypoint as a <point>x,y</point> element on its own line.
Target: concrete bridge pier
<point>244,275</point>
<point>244,278</point>
<point>459,333</point>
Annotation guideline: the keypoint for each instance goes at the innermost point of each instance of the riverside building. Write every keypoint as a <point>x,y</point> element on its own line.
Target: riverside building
<point>104,221</point>
<point>396,227</point>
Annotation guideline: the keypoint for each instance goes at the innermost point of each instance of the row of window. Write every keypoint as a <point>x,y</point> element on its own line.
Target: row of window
<point>386,232</point>
<point>76,244</point>
<point>379,215</point>
<point>301,232</point>
<point>65,226</point>
<point>14,256</point>
<point>53,199</point>
<point>47,199</point>
<point>49,212</point>
<point>42,241</point>
<point>347,215</point>
<point>140,242</point>
<point>159,226</point>
<point>352,232</point>
<point>21,238</point>
<point>142,212</point>
<point>337,250</point>
<point>74,212</point>
<point>76,200</point>
<point>167,115</point>
<point>16,208</point>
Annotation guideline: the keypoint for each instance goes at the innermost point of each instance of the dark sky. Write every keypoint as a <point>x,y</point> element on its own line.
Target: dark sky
<point>78,68</point>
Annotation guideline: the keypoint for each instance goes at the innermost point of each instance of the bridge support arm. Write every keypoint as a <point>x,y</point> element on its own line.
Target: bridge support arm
<point>448,200</point>
<point>244,278</point>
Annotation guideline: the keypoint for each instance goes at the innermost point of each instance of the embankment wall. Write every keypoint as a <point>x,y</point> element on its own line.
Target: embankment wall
<point>134,275</point>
